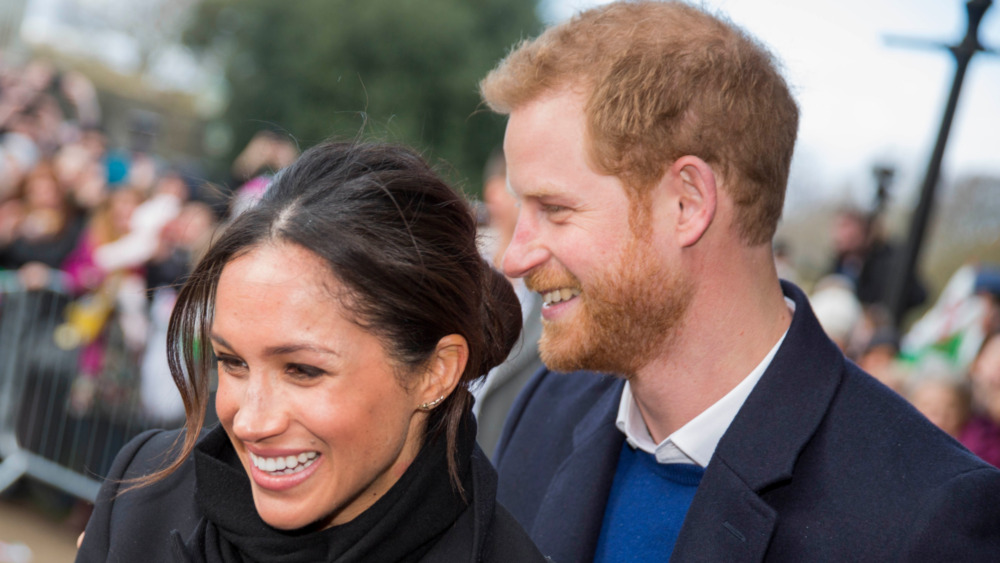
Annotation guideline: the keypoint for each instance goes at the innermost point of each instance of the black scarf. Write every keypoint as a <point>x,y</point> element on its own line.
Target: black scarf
<point>401,526</point>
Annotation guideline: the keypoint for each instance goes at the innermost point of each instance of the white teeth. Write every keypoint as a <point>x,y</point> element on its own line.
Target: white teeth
<point>559,295</point>
<point>284,465</point>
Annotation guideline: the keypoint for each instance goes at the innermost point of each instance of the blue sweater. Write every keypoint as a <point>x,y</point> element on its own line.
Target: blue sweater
<point>646,507</point>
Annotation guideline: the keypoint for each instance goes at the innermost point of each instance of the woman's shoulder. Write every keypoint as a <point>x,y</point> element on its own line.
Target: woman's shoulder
<point>146,453</point>
<point>132,520</point>
<point>143,456</point>
<point>508,541</point>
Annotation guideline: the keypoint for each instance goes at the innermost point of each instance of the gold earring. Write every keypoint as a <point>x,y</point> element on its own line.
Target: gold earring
<point>432,404</point>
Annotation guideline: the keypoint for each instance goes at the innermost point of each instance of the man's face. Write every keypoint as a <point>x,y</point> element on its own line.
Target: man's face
<point>591,251</point>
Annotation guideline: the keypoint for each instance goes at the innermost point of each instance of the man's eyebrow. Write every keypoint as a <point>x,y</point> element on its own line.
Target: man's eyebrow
<point>544,191</point>
<point>281,348</point>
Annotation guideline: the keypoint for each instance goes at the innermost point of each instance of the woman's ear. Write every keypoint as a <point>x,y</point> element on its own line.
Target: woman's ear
<point>444,371</point>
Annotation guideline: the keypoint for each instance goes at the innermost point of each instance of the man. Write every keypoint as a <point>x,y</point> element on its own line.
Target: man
<point>501,386</point>
<point>649,145</point>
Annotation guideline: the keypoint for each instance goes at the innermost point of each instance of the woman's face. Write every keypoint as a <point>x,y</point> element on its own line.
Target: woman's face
<point>310,401</point>
<point>42,192</point>
<point>985,376</point>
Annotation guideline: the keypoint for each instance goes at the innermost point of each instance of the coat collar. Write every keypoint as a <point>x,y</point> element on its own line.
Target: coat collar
<point>582,483</point>
<point>727,519</point>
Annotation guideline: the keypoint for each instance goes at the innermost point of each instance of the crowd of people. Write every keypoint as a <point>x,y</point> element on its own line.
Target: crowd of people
<point>945,364</point>
<point>113,230</point>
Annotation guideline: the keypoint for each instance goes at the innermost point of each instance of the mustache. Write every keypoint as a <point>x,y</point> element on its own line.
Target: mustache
<point>551,277</point>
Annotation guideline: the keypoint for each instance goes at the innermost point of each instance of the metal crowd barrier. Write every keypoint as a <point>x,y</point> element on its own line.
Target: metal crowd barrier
<point>46,431</point>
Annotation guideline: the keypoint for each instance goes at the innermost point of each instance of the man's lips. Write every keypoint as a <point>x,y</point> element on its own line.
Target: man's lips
<point>555,296</point>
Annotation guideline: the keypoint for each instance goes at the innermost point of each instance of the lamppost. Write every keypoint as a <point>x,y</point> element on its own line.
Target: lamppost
<point>963,53</point>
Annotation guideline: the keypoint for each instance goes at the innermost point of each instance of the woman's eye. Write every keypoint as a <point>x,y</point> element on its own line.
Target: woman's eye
<point>304,371</point>
<point>230,364</point>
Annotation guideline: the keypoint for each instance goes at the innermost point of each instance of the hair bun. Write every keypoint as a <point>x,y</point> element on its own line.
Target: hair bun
<point>501,316</point>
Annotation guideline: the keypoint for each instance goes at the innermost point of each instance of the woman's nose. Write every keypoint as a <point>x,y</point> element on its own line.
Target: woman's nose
<point>260,413</point>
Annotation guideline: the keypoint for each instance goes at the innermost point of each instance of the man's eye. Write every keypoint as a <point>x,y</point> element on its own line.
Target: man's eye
<point>550,209</point>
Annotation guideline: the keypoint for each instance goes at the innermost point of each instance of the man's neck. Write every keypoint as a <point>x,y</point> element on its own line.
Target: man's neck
<point>729,329</point>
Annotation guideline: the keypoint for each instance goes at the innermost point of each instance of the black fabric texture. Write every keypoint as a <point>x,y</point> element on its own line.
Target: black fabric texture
<point>401,526</point>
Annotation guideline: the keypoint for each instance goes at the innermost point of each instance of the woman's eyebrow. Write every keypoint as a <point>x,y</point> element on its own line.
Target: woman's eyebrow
<point>216,338</point>
<point>281,348</point>
<point>289,348</point>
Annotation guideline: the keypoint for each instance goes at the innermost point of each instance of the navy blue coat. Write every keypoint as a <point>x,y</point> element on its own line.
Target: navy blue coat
<point>822,463</point>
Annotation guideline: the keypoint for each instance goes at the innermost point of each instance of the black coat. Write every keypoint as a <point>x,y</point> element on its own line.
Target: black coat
<point>144,524</point>
<point>822,463</point>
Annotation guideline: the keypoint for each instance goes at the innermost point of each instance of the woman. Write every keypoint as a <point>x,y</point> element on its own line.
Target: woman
<point>43,232</point>
<point>348,313</point>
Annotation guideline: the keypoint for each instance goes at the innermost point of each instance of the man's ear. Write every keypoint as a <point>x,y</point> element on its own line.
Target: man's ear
<point>444,370</point>
<point>694,187</point>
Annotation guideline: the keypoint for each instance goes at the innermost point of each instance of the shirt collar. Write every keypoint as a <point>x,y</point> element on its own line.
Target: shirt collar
<point>694,442</point>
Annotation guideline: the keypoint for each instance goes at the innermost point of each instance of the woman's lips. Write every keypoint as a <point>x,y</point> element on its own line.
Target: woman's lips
<point>279,473</point>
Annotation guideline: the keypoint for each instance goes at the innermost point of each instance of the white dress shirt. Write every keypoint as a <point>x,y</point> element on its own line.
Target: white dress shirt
<point>694,442</point>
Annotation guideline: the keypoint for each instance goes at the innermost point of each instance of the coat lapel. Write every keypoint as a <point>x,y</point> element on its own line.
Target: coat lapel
<point>728,520</point>
<point>569,519</point>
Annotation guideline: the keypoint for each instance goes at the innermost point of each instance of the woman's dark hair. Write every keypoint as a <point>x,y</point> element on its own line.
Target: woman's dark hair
<point>400,241</point>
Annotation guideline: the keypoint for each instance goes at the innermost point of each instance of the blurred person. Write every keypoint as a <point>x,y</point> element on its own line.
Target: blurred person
<point>837,309</point>
<point>18,152</point>
<point>103,295</point>
<point>862,255</point>
<point>501,206</point>
<point>184,240</point>
<point>649,145</point>
<point>11,213</point>
<point>944,400</point>
<point>880,358</point>
<point>987,289</point>
<point>348,312</point>
<point>43,231</point>
<point>501,386</point>
<point>146,223</point>
<point>90,190</point>
<point>265,154</point>
<point>783,262</point>
<point>109,223</point>
<point>982,433</point>
<point>81,93</point>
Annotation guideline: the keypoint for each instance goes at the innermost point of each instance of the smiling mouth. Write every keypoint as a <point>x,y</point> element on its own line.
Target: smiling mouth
<point>556,296</point>
<point>283,465</point>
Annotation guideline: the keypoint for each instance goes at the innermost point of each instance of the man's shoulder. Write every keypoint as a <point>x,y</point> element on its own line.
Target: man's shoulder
<point>887,477</point>
<point>554,402</point>
<point>578,387</point>
<point>875,419</point>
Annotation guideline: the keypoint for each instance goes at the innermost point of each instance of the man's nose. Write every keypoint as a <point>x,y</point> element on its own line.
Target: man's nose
<point>526,250</point>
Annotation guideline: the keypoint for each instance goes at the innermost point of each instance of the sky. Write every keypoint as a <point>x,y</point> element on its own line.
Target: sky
<point>865,102</point>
